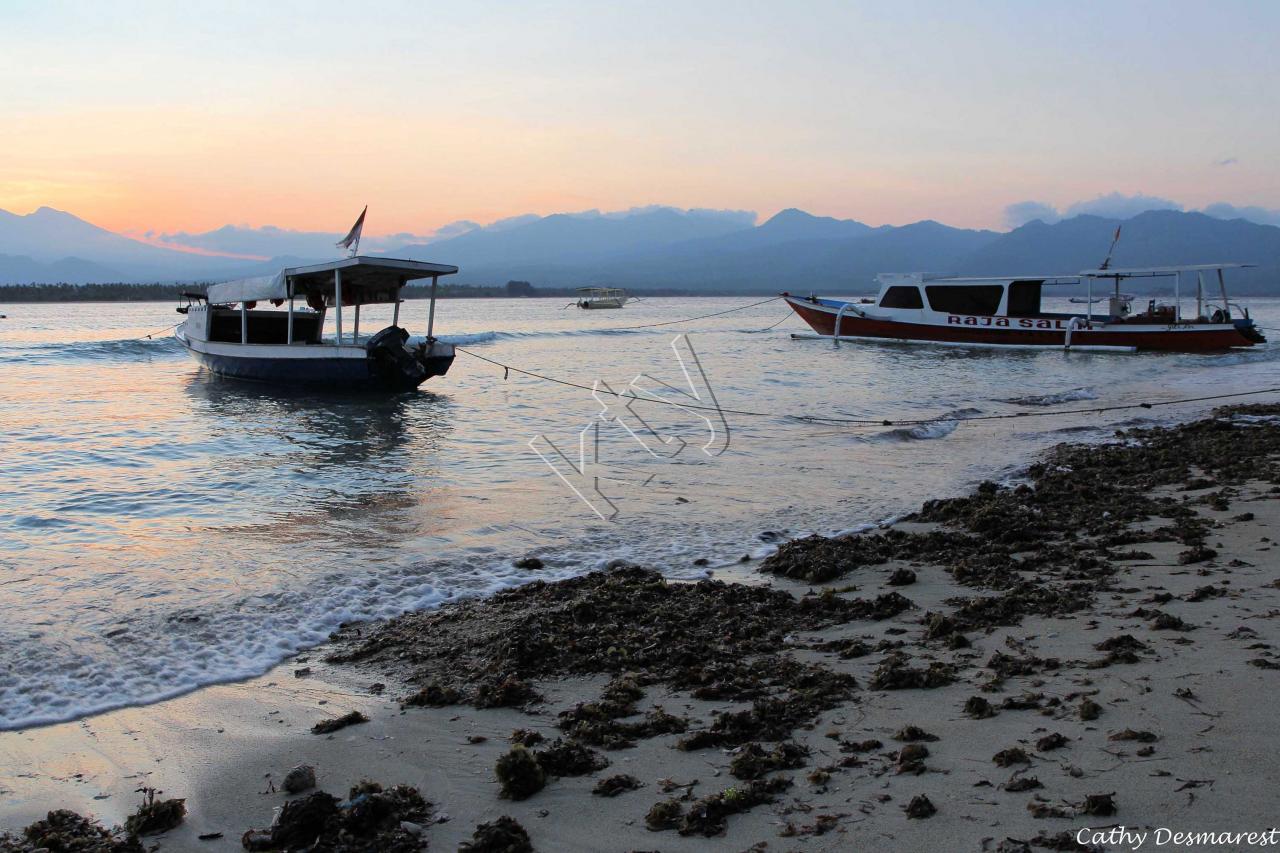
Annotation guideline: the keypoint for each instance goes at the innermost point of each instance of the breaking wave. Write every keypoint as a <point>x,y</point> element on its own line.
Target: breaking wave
<point>128,349</point>
<point>465,338</point>
<point>939,427</point>
<point>1073,396</point>
<point>153,656</point>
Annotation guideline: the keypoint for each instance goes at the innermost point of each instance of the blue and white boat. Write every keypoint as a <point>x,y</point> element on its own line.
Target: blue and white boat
<point>228,334</point>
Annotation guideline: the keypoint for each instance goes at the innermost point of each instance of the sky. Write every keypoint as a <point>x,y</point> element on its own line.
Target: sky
<point>165,117</point>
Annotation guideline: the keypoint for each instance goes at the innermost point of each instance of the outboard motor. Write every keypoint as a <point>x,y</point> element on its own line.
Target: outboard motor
<point>1249,330</point>
<point>395,362</point>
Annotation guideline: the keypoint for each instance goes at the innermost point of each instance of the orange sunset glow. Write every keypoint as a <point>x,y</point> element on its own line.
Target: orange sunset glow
<point>294,116</point>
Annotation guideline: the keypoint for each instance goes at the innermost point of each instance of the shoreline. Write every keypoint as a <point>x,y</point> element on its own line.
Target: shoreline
<point>989,622</point>
<point>459,292</point>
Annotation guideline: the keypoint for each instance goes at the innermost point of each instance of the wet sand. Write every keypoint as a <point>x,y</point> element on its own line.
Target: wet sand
<point>1125,600</point>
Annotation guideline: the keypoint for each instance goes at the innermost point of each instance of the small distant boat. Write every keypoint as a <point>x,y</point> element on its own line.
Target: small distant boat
<point>601,297</point>
<point>226,332</point>
<point>1006,312</point>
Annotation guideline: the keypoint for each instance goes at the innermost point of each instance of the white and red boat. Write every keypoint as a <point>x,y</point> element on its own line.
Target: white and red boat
<point>1007,312</point>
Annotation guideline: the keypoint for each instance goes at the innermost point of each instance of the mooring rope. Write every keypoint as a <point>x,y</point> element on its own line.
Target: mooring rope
<point>161,332</point>
<point>867,422</point>
<point>784,319</point>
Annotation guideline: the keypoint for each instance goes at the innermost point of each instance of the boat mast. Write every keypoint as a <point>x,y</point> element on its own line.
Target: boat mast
<point>337,300</point>
<point>431,315</point>
<point>1106,264</point>
<point>1177,296</point>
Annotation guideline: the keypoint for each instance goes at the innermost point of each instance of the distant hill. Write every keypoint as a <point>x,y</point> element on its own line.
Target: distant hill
<point>1154,238</point>
<point>575,238</point>
<point>1157,237</point>
<point>686,250</point>
<point>791,225</point>
<point>68,246</point>
<point>798,251</point>
<point>21,268</point>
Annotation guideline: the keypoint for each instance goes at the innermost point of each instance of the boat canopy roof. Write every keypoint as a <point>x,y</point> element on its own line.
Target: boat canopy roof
<point>931,279</point>
<point>1142,272</point>
<point>364,280</point>
<point>600,290</point>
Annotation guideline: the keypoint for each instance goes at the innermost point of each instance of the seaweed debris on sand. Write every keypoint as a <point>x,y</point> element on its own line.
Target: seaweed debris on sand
<point>1061,526</point>
<point>712,639</point>
<point>372,818</point>
<point>64,830</point>
<point>504,835</point>
<point>155,816</point>
<point>1009,580</point>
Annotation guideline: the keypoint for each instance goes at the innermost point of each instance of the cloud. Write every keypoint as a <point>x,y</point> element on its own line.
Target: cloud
<point>1113,205</point>
<point>1120,206</point>
<point>512,222</point>
<point>1020,213</point>
<point>1260,215</point>
<point>444,232</point>
<point>269,241</point>
<point>1227,161</point>
<point>741,218</point>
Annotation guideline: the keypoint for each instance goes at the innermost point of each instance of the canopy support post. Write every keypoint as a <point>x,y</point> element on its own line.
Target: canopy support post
<point>355,328</point>
<point>431,314</point>
<point>337,300</point>
<point>244,324</point>
<point>1199,294</point>
<point>395,312</point>
<point>1177,297</point>
<point>288,288</point>
<point>1088,291</point>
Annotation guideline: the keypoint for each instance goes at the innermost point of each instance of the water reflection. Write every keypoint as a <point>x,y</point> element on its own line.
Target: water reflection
<point>317,464</point>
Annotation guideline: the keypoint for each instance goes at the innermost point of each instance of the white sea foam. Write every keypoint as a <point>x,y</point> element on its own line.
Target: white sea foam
<point>1072,396</point>
<point>157,656</point>
<point>472,338</point>
<point>465,338</point>
<point>125,350</point>
<point>940,427</point>
<point>936,429</point>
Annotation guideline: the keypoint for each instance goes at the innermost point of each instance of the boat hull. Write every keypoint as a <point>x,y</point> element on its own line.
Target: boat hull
<point>298,366</point>
<point>1021,332</point>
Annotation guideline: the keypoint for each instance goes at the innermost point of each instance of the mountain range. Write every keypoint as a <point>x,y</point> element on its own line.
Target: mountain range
<point>694,250</point>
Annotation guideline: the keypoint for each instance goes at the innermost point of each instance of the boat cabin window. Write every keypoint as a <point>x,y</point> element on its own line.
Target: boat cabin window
<point>901,297</point>
<point>1024,299</point>
<point>265,327</point>
<point>980,299</point>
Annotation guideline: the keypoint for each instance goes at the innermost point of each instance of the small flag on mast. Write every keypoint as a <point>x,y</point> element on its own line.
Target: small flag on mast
<point>352,240</point>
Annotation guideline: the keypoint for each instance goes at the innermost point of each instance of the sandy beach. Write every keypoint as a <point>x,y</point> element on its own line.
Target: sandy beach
<point>1028,667</point>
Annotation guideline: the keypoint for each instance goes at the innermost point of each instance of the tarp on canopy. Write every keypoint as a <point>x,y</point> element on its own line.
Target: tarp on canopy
<point>248,289</point>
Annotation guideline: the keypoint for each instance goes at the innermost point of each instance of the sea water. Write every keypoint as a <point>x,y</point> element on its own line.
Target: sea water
<point>163,529</point>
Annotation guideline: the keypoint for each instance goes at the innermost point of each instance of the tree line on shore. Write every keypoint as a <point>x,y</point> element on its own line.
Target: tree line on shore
<point>126,292</point>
